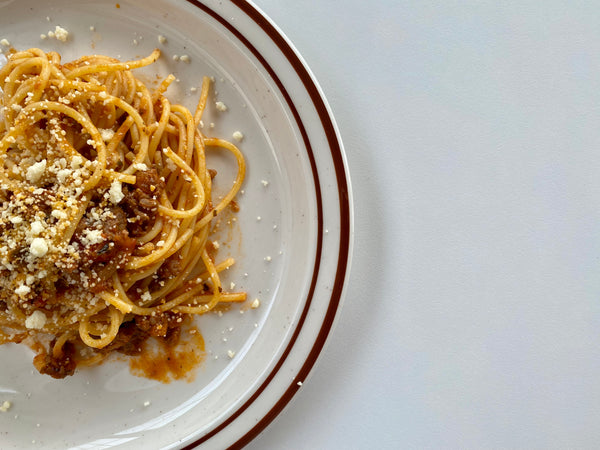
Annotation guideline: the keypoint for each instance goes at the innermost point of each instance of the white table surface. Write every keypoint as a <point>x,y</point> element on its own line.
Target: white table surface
<point>472,315</point>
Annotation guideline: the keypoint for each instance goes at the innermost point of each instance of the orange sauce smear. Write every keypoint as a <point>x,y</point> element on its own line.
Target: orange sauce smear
<point>165,363</point>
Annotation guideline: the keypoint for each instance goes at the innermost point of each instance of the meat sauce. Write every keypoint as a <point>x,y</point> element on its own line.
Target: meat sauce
<point>158,346</point>
<point>164,347</point>
<point>166,361</point>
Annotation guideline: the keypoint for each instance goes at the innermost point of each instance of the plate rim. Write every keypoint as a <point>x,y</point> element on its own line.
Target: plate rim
<point>322,141</point>
<point>338,158</point>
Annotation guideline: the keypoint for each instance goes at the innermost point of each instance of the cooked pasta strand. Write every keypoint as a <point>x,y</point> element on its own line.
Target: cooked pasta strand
<point>106,208</point>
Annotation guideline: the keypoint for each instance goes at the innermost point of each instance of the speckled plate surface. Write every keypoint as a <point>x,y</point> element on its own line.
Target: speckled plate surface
<point>292,241</point>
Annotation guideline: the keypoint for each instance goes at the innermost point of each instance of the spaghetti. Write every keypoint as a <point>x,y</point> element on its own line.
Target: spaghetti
<point>106,209</point>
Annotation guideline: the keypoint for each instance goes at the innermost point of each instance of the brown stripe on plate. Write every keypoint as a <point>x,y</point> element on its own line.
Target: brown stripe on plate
<point>345,222</point>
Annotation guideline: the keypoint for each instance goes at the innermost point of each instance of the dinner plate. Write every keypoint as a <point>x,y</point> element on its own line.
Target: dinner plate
<point>291,239</point>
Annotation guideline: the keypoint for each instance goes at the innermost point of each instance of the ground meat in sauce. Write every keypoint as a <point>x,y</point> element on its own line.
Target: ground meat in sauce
<point>100,261</point>
<point>43,200</point>
<point>57,367</point>
<point>170,268</point>
<point>159,324</point>
<point>141,201</point>
<point>132,334</point>
<point>235,207</point>
<point>132,217</point>
<point>128,341</point>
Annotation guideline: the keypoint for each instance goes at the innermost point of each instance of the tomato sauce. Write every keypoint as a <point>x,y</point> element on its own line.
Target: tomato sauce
<point>165,361</point>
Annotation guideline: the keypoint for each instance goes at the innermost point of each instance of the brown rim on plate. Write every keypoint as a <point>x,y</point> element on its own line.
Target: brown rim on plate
<point>345,221</point>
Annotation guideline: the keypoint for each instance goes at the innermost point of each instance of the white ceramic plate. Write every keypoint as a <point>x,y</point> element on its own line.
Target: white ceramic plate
<point>301,220</point>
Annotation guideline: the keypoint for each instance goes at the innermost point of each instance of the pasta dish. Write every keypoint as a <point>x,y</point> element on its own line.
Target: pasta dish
<point>105,209</point>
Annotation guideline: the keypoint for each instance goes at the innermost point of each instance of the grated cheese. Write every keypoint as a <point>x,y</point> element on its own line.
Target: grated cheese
<point>35,171</point>
<point>63,174</point>
<point>140,166</point>
<point>36,320</point>
<point>38,247</point>
<point>91,237</point>
<point>76,162</point>
<point>106,133</point>
<point>115,192</point>
<point>58,214</point>
<point>61,34</point>
<point>36,227</point>
<point>22,290</point>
